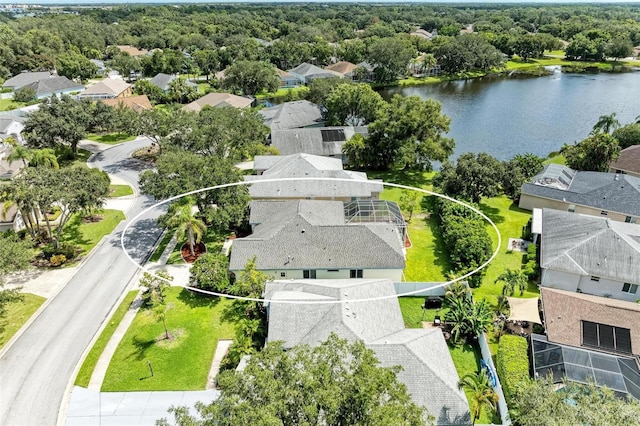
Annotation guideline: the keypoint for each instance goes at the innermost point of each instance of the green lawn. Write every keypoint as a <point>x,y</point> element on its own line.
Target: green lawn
<point>17,314</point>
<point>413,314</point>
<point>556,159</point>
<point>87,235</point>
<point>213,241</point>
<point>116,191</point>
<point>282,92</point>
<point>110,138</point>
<point>79,160</point>
<point>9,104</point>
<point>84,375</point>
<point>161,247</point>
<point>179,364</point>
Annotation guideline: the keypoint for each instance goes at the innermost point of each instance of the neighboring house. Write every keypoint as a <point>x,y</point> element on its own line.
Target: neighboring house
<point>371,76</point>
<point>54,85</point>
<point>591,255</point>
<point>616,196</point>
<point>132,51</point>
<point>11,219</point>
<point>309,166</point>
<point>311,239</point>
<point>26,78</point>
<point>292,115</point>
<point>163,81</point>
<point>102,69</point>
<point>8,169</point>
<point>306,72</point>
<point>109,88</point>
<point>219,100</point>
<point>628,162</point>
<point>595,322</point>
<point>427,368</point>
<point>137,103</point>
<point>343,67</point>
<point>424,34</point>
<point>323,141</point>
<point>11,126</point>
<point>287,80</point>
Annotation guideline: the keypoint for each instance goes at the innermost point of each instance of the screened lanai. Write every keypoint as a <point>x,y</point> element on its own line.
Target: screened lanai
<point>618,373</point>
<point>375,211</point>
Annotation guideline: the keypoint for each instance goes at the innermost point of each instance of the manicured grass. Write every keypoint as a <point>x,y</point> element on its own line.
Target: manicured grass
<point>556,159</point>
<point>17,314</point>
<point>466,358</point>
<point>213,241</point>
<point>116,191</point>
<point>179,364</point>
<point>161,247</point>
<point>413,314</point>
<point>282,92</point>
<point>89,364</point>
<point>9,104</point>
<point>87,235</point>
<point>510,220</point>
<point>80,159</point>
<point>110,138</point>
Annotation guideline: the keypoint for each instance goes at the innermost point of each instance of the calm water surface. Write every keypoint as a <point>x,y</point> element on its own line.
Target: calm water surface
<point>508,116</point>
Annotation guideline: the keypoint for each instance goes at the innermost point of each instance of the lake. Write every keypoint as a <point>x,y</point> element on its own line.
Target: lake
<point>507,116</point>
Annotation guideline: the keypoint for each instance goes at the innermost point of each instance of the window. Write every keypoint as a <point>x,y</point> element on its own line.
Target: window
<point>309,273</point>
<point>630,288</point>
<point>333,270</point>
<point>355,273</point>
<point>283,274</point>
<point>572,208</point>
<point>596,279</point>
<point>606,337</point>
<point>603,213</point>
<point>630,219</point>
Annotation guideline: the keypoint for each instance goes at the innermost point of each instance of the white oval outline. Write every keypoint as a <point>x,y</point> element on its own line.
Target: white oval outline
<point>311,302</point>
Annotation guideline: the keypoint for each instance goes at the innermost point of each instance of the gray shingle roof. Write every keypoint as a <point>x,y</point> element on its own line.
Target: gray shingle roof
<point>310,71</point>
<point>310,140</point>
<point>428,371</point>
<point>291,115</point>
<point>163,81</point>
<point>590,245</point>
<point>308,237</point>
<point>26,78</point>
<point>308,166</point>
<point>605,191</point>
<point>54,84</point>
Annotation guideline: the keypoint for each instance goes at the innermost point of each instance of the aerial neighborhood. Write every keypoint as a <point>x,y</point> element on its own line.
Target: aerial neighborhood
<point>282,214</point>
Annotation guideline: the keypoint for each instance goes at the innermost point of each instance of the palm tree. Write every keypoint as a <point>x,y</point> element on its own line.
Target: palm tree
<point>188,224</point>
<point>458,290</point>
<point>606,124</point>
<point>45,157</point>
<point>512,279</point>
<point>482,393</point>
<point>20,152</point>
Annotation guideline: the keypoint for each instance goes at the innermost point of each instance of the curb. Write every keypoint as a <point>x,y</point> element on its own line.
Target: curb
<point>46,303</point>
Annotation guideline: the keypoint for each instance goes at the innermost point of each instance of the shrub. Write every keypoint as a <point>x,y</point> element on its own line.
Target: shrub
<point>512,363</point>
<point>531,269</point>
<point>57,260</point>
<point>67,250</point>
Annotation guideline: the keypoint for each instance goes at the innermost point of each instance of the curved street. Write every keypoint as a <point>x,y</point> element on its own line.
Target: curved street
<point>37,368</point>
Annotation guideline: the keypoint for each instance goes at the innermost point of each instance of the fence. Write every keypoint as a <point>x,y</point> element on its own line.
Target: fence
<point>486,356</point>
<point>423,289</point>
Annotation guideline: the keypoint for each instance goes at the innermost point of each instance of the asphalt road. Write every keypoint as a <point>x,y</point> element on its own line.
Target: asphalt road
<point>35,371</point>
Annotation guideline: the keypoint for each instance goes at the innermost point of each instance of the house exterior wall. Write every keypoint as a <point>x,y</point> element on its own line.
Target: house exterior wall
<point>127,92</point>
<point>58,93</point>
<point>529,202</point>
<point>297,274</point>
<point>608,288</point>
<point>560,280</point>
<point>289,82</point>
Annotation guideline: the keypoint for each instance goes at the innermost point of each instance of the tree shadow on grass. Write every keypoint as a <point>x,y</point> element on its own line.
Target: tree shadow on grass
<point>440,253</point>
<point>416,178</point>
<point>514,208</point>
<point>142,346</point>
<point>492,213</point>
<point>71,233</point>
<point>196,300</point>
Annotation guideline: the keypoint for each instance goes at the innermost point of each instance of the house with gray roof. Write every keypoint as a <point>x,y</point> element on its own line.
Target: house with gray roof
<point>163,81</point>
<point>25,78</point>
<point>427,368</point>
<point>311,239</point>
<point>591,255</point>
<point>305,73</point>
<point>616,196</point>
<point>11,126</point>
<point>323,141</point>
<point>54,85</point>
<point>349,185</point>
<point>293,115</point>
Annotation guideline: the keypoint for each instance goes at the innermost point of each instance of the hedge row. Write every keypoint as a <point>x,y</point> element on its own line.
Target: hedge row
<point>465,236</point>
<point>512,363</point>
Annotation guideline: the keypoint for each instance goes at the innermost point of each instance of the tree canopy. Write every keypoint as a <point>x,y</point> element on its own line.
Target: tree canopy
<point>336,382</point>
<point>353,105</point>
<point>592,154</point>
<point>251,77</point>
<point>472,178</point>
